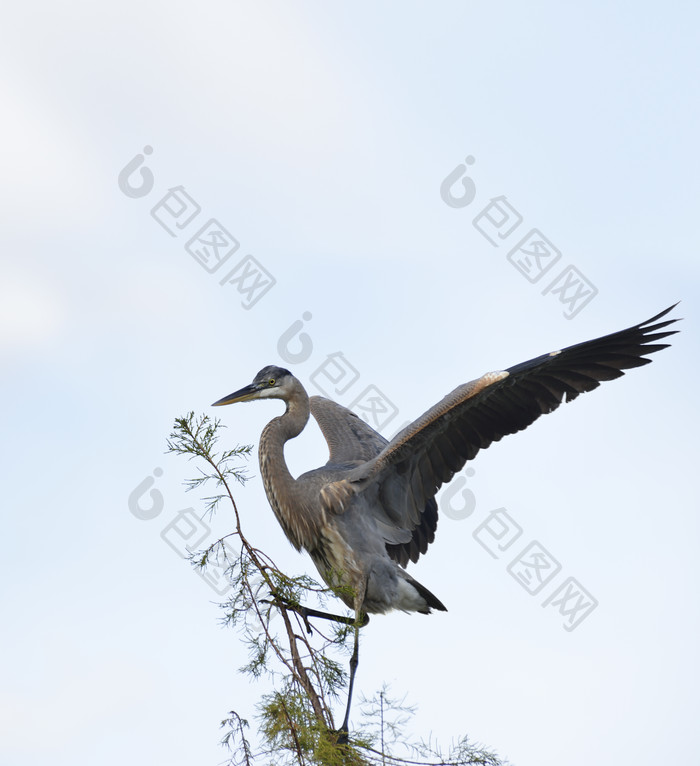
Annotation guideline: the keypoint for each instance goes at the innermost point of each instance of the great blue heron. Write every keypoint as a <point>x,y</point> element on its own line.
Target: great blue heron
<point>371,509</point>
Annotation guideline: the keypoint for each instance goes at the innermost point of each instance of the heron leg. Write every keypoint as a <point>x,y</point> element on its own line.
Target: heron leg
<point>360,620</point>
<point>354,661</point>
<point>305,612</point>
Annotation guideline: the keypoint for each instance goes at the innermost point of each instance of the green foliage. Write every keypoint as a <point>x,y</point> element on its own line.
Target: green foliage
<point>196,438</point>
<point>295,721</point>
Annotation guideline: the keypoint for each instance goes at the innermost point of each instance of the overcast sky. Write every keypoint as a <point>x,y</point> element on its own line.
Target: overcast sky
<point>378,177</point>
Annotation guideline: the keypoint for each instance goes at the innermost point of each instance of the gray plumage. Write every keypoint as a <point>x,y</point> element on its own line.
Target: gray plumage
<point>371,509</point>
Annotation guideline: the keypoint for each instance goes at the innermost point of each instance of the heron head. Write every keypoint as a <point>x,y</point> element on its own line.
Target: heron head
<point>270,383</point>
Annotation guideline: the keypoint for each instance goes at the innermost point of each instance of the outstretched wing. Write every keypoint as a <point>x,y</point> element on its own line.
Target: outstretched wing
<point>427,453</point>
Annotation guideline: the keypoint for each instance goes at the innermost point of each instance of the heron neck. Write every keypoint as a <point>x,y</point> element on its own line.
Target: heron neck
<point>280,485</point>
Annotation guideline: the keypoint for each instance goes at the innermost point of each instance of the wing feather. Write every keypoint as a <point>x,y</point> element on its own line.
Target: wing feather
<point>349,438</point>
<point>411,468</point>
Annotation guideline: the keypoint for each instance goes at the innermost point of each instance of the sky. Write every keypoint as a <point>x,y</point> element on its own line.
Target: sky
<point>377,178</point>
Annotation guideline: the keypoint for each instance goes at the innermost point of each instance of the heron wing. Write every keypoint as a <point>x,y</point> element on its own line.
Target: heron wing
<point>427,453</point>
<point>349,438</point>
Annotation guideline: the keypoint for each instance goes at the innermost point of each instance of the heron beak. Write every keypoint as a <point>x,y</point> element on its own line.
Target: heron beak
<point>244,394</point>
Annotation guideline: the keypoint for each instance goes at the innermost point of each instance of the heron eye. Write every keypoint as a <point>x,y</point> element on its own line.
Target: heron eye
<point>272,381</point>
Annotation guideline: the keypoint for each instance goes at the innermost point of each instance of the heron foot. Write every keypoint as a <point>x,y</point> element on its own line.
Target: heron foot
<point>341,735</point>
<point>302,611</point>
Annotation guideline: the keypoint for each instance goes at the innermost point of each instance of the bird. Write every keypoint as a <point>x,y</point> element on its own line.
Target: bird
<point>371,509</point>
